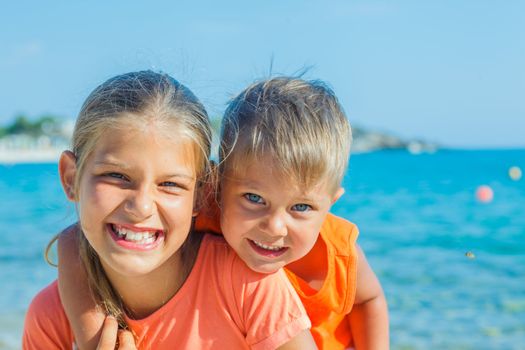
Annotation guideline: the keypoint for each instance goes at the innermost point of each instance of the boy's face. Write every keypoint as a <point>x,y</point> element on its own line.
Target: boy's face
<point>267,219</point>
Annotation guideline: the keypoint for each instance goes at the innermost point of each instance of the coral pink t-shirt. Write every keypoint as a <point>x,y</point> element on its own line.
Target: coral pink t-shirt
<point>222,305</point>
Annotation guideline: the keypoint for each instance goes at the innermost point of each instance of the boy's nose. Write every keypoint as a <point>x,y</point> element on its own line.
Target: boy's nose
<point>276,225</point>
<point>140,204</point>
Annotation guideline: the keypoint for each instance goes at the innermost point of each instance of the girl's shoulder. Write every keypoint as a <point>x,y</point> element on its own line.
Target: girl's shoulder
<point>212,239</point>
<point>217,258</point>
<point>215,249</point>
<point>265,307</point>
<point>46,304</point>
<point>233,278</point>
<point>46,325</point>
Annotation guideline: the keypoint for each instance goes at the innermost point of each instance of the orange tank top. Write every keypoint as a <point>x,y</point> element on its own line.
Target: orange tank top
<point>328,307</point>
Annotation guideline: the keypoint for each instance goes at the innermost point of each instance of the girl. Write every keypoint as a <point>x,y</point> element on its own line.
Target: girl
<point>140,151</point>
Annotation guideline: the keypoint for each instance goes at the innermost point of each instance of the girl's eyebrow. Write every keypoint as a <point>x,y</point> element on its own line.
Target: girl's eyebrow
<point>125,166</point>
<point>181,175</point>
<point>112,163</point>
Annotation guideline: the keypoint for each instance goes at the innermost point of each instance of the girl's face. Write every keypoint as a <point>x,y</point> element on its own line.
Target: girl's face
<point>135,199</point>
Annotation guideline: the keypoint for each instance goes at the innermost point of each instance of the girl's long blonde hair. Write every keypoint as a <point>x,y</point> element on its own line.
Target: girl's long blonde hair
<point>134,100</point>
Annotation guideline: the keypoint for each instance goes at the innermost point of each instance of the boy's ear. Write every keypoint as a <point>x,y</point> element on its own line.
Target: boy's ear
<point>340,191</point>
<point>67,168</point>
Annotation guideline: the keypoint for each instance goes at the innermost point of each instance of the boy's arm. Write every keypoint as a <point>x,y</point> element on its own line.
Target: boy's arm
<point>369,315</point>
<point>85,319</point>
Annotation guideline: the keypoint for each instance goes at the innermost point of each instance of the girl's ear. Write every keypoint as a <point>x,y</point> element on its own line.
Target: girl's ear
<point>197,202</point>
<point>67,168</point>
<point>206,188</point>
<point>198,198</point>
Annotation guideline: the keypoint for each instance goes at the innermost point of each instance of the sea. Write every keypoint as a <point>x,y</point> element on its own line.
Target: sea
<point>452,267</point>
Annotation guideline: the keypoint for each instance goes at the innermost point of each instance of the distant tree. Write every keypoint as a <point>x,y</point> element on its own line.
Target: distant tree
<point>48,125</point>
<point>45,125</point>
<point>21,125</point>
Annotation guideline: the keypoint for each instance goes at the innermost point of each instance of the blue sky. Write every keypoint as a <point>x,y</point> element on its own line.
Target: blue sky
<point>452,72</point>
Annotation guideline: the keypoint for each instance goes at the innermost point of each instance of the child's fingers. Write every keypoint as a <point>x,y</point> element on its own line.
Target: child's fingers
<point>108,336</point>
<point>126,341</point>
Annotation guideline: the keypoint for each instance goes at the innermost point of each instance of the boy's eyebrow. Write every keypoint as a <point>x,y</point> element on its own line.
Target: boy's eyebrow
<point>300,198</point>
<point>247,183</point>
<point>305,198</point>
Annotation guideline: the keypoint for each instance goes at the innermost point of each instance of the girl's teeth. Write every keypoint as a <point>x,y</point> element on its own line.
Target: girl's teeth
<point>136,237</point>
<point>259,244</point>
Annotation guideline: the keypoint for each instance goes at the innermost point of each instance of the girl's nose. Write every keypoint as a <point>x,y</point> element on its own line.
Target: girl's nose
<point>140,204</point>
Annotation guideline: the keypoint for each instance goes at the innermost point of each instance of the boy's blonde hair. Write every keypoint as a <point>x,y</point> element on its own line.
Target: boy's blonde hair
<point>135,100</point>
<point>299,124</point>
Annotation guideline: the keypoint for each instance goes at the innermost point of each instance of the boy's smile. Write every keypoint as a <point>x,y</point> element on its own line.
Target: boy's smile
<point>271,222</point>
<point>267,250</point>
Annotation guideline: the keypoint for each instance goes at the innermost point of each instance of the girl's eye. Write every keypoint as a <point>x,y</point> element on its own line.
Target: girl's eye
<point>254,198</point>
<point>301,207</point>
<point>173,186</point>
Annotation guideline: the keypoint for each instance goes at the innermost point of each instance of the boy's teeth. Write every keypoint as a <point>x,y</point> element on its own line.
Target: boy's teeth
<point>137,237</point>
<point>259,244</point>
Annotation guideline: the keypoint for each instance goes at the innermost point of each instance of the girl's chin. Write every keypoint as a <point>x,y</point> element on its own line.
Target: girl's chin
<point>129,267</point>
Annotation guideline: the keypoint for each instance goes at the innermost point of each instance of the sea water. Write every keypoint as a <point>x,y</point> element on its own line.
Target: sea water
<point>453,268</point>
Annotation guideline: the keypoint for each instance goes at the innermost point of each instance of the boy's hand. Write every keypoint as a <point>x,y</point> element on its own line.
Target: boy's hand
<point>109,334</point>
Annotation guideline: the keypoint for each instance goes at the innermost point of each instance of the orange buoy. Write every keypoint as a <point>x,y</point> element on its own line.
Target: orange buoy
<point>484,194</point>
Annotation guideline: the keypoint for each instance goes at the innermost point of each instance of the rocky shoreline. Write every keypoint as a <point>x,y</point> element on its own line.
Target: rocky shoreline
<point>24,149</point>
<point>369,141</point>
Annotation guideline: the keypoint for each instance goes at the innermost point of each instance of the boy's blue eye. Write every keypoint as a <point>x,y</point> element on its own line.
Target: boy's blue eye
<point>301,207</point>
<point>254,198</point>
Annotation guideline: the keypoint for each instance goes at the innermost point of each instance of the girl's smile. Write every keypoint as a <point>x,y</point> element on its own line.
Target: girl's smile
<point>136,199</point>
<point>136,238</point>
